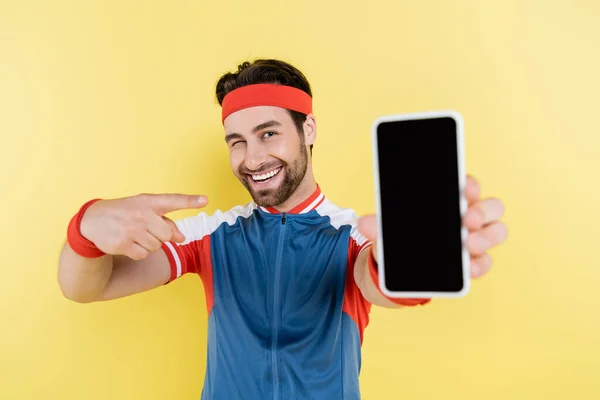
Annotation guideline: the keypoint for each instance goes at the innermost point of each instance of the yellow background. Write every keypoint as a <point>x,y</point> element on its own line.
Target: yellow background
<point>112,98</point>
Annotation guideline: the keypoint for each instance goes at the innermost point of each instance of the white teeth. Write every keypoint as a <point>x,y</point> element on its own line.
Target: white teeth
<point>268,175</point>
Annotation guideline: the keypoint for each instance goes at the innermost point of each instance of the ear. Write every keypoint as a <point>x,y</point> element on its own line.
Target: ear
<point>310,129</point>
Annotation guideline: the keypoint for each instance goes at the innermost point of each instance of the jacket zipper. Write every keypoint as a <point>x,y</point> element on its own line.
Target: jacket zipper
<point>277,310</point>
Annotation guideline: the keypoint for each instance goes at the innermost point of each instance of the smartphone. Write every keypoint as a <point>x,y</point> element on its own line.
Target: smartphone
<point>419,166</point>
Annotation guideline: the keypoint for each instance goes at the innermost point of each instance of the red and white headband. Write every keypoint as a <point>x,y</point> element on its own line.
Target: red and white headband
<point>266,94</point>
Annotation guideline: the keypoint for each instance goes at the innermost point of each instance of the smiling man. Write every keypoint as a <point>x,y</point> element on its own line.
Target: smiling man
<point>289,278</point>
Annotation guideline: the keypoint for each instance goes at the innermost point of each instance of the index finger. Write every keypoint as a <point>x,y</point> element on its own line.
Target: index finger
<point>472,189</point>
<point>166,203</point>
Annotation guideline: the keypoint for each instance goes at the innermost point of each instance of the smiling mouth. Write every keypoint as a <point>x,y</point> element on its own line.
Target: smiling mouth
<point>260,178</point>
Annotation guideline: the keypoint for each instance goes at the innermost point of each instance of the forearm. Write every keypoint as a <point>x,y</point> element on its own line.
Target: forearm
<point>117,249</point>
<point>366,284</point>
<point>367,279</point>
<point>82,279</point>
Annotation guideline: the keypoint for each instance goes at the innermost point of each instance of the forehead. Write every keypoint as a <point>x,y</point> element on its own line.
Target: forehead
<point>244,121</point>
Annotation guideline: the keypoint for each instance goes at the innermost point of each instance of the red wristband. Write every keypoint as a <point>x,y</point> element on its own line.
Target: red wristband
<point>78,243</point>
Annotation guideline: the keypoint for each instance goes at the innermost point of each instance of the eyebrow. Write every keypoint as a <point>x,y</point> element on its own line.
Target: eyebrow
<point>231,136</point>
<point>264,125</point>
<point>257,128</point>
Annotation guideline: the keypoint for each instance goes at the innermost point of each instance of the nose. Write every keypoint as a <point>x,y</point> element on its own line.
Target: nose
<point>256,155</point>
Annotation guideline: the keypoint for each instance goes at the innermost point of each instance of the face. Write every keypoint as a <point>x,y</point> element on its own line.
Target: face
<point>266,152</point>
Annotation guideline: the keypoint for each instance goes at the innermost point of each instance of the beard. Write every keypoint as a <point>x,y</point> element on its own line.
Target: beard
<point>293,175</point>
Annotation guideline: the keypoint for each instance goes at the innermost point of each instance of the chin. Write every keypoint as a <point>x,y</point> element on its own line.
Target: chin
<point>266,198</point>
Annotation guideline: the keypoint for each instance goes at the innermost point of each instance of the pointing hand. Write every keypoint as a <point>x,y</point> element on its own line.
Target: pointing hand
<point>135,226</point>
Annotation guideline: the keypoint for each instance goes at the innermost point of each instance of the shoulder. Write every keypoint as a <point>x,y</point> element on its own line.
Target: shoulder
<point>342,218</point>
<point>339,216</point>
<point>197,226</point>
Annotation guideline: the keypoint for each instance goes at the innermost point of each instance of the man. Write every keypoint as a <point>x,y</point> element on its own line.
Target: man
<point>289,278</point>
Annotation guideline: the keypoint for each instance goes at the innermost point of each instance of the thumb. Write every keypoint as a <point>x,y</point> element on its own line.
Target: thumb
<point>367,225</point>
<point>166,203</point>
<point>177,237</point>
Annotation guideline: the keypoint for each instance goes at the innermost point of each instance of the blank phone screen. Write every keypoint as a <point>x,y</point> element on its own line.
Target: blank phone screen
<point>420,205</point>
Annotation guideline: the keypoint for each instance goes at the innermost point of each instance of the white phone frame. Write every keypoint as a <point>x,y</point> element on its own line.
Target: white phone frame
<point>463,202</point>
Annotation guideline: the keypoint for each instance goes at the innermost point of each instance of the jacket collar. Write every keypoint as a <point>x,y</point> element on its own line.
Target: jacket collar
<point>312,202</point>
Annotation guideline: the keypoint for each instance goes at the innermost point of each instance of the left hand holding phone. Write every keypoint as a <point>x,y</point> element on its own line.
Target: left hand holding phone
<point>482,219</point>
